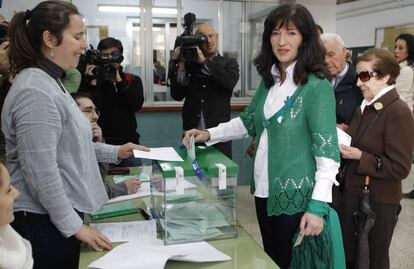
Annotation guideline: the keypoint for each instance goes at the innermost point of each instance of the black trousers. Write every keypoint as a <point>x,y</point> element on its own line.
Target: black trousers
<point>277,233</point>
<point>51,250</point>
<point>379,237</point>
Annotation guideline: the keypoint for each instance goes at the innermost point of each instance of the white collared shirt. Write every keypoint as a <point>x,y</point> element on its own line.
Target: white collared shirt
<point>376,97</point>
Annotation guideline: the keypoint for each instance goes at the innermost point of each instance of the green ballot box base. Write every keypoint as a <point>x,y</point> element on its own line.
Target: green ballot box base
<point>113,210</point>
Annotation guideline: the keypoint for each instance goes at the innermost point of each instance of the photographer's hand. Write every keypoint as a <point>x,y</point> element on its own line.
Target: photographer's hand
<point>117,76</point>
<point>200,56</point>
<point>4,60</point>
<point>88,72</point>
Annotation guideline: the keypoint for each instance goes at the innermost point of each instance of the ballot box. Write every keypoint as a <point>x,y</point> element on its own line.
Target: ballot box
<point>195,200</point>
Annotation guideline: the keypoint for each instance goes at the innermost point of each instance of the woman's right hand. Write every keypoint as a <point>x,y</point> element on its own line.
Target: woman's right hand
<point>94,238</point>
<point>199,136</point>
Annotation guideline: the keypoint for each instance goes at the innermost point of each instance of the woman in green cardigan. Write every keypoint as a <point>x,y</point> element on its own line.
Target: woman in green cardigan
<point>292,116</point>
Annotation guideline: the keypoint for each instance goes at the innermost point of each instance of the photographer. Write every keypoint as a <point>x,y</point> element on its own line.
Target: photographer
<point>118,95</point>
<point>206,84</point>
<point>5,79</point>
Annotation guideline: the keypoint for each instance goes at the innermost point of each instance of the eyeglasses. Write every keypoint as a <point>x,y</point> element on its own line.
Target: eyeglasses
<point>91,111</point>
<point>364,76</point>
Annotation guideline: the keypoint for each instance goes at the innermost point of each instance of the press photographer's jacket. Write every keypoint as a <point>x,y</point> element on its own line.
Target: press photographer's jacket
<point>209,91</point>
<point>118,103</point>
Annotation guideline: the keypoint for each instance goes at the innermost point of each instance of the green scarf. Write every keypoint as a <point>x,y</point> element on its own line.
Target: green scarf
<point>325,251</point>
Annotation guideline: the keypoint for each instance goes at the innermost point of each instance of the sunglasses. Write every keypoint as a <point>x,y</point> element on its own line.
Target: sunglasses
<point>364,76</point>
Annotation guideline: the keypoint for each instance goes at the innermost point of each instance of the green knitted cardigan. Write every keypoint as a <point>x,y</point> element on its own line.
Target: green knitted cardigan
<point>307,130</point>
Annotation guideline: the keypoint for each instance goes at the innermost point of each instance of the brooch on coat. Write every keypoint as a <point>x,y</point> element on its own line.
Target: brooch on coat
<point>378,106</point>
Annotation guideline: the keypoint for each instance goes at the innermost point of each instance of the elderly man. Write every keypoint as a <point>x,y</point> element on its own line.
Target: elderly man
<point>343,79</point>
<point>207,85</point>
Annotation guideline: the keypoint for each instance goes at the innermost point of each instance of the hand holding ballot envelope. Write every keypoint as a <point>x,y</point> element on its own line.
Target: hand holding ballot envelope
<point>126,150</point>
<point>199,136</point>
<point>345,148</point>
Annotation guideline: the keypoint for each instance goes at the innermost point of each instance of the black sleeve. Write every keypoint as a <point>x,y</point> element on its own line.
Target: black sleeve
<point>178,91</point>
<point>132,95</point>
<point>224,70</point>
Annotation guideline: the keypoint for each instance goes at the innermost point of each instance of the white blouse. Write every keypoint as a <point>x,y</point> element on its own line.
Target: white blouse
<point>15,252</point>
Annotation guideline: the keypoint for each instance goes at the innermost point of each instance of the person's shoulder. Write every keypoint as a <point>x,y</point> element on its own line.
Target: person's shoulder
<point>315,81</point>
<point>33,78</point>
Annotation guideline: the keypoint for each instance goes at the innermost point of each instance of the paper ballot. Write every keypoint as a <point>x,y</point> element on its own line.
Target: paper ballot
<point>162,154</point>
<point>191,149</point>
<point>343,138</point>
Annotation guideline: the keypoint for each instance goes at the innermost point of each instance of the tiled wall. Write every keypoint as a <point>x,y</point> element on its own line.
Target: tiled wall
<point>160,129</point>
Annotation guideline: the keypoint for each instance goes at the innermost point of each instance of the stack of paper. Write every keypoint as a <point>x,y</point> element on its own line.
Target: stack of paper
<point>189,221</point>
<point>154,255</point>
<point>128,231</point>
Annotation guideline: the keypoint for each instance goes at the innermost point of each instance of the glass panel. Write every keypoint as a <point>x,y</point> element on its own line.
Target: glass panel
<point>257,14</point>
<point>232,43</point>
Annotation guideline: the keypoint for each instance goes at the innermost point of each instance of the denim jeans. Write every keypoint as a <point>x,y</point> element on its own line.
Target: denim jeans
<point>50,248</point>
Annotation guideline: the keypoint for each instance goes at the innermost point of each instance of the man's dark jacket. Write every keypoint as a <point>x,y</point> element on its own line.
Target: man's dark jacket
<point>118,103</point>
<point>348,96</point>
<point>208,92</point>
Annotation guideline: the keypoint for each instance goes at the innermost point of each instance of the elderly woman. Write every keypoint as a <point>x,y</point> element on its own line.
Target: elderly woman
<point>404,54</point>
<point>382,143</point>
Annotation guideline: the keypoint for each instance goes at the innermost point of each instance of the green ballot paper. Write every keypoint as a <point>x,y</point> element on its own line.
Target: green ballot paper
<point>191,149</point>
<point>113,210</point>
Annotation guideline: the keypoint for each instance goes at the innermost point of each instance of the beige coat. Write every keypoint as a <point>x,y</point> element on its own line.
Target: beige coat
<point>405,84</point>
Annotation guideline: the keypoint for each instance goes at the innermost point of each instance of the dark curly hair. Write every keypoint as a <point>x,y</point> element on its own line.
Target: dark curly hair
<point>409,40</point>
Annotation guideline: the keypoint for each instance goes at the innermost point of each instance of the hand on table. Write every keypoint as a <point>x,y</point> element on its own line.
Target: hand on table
<point>94,238</point>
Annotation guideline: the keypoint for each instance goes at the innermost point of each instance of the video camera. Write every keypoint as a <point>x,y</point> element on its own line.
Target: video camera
<point>189,42</point>
<point>104,69</point>
<point>4,30</point>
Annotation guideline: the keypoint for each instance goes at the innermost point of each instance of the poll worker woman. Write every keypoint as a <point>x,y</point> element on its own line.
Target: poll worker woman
<point>404,54</point>
<point>292,116</point>
<point>50,154</point>
<point>15,252</point>
<point>382,143</point>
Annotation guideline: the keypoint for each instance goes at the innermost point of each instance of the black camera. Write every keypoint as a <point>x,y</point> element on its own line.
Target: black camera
<point>189,42</point>
<point>4,31</point>
<point>104,69</point>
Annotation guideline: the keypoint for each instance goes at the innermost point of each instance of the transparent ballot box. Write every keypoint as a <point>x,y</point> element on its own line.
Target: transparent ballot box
<point>193,203</point>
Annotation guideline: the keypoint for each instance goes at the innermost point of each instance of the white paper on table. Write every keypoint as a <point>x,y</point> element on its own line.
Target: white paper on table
<point>134,255</point>
<point>143,191</point>
<point>153,254</point>
<point>162,154</point>
<point>199,252</point>
<point>128,231</point>
<point>343,138</point>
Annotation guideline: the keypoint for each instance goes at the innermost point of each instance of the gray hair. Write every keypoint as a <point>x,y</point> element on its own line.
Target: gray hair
<point>332,36</point>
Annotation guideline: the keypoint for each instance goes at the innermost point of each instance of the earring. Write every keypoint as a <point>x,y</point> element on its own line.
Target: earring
<point>51,52</point>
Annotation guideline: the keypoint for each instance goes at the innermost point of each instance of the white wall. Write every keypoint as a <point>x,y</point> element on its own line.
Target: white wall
<point>323,12</point>
<point>357,26</point>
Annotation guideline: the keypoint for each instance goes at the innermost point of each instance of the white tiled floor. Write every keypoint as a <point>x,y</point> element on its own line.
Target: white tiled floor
<point>402,246</point>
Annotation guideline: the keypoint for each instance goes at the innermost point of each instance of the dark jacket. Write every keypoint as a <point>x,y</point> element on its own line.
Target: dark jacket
<point>388,140</point>
<point>348,96</point>
<point>118,103</point>
<point>210,93</point>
